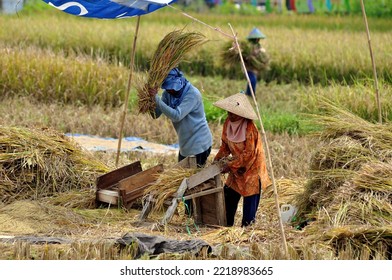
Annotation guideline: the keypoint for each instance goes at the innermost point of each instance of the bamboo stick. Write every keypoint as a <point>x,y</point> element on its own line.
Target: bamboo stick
<point>373,63</point>
<point>127,93</point>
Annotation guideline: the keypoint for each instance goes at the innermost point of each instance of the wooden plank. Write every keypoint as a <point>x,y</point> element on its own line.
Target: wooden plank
<point>134,194</point>
<point>208,206</point>
<point>140,179</point>
<point>203,175</point>
<point>220,202</point>
<point>146,208</point>
<point>202,193</point>
<point>111,178</point>
<point>180,192</point>
<point>209,184</point>
<point>197,214</point>
<point>188,162</point>
<point>108,196</point>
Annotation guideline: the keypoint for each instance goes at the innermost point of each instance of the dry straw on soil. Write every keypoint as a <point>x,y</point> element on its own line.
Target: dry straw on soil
<point>170,52</point>
<point>36,163</point>
<point>350,184</point>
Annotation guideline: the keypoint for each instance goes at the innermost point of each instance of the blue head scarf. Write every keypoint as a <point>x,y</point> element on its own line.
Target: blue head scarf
<point>176,81</point>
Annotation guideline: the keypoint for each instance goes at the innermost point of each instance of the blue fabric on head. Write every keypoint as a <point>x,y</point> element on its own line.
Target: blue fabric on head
<point>175,80</point>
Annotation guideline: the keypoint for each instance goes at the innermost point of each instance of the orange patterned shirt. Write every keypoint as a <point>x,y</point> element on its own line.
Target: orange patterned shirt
<point>248,158</point>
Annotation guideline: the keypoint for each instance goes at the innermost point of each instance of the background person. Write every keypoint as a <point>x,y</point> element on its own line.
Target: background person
<point>242,156</point>
<point>256,60</point>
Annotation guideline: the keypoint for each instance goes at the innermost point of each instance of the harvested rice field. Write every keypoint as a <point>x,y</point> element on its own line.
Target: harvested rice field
<point>62,102</point>
<point>49,211</point>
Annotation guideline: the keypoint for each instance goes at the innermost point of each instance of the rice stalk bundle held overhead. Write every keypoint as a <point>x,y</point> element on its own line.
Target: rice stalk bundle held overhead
<point>170,52</point>
<point>35,163</point>
<point>350,184</point>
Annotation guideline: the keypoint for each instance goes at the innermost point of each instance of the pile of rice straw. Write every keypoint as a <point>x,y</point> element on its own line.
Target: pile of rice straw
<point>349,191</point>
<point>36,163</point>
<point>169,53</point>
<point>231,58</point>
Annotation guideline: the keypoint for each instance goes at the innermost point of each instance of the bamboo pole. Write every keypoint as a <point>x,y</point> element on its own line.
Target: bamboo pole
<point>373,63</point>
<point>266,145</point>
<point>124,113</point>
<point>203,23</point>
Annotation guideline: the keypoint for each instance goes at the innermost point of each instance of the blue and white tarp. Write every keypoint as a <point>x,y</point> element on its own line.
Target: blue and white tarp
<point>106,9</point>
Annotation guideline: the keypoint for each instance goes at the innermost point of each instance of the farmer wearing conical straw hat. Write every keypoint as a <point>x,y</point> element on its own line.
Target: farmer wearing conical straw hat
<point>241,155</point>
<point>256,60</point>
<point>182,103</point>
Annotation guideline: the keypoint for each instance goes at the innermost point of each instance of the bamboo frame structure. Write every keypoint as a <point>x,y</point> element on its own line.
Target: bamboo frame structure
<point>124,113</point>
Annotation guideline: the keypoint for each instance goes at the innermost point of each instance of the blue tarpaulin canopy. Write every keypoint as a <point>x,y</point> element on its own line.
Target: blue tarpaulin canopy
<point>108,9</point>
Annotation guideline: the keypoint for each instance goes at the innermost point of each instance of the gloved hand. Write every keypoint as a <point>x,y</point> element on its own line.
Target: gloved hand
<point>225,168</point>
<point>152,91</point>
<point>241,170</point>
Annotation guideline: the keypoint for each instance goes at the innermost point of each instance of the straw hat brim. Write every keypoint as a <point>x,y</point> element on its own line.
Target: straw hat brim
<point>237,104</point>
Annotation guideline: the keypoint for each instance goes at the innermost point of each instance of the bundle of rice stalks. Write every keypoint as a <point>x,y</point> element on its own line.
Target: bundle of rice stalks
<point>336,122</point>
<point>364,200</point>
<point>375,177</point>
<point>35,163</point>
<point>253,59</point>
<point>349,191</point>
<point>366,242</point>
<point>169,53</point>
<point>351,142</point>
<point>166,186</point>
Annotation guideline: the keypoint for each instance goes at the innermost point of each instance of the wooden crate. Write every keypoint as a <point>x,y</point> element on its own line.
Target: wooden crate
<point>206,191</point>
<point>205,188</point>
<point>124,185</point>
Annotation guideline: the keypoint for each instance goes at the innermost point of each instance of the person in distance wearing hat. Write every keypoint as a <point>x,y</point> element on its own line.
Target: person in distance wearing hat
<point>241,155</point>
<point>257,53</point>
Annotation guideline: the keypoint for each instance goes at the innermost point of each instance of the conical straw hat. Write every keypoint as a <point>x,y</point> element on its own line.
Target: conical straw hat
<point>256,34</point>
<point>237,104</point>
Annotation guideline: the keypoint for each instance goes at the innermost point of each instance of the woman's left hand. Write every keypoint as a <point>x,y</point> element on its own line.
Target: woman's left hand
<point>225,168</point>
<point>152,91</point>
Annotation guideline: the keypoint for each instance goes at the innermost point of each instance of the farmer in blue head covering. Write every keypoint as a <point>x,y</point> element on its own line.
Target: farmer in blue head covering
<point>182,103</point>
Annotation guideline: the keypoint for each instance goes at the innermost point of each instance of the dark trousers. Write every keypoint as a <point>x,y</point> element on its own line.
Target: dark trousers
<point>201,160</point>
<point>253,82</point>
<point>249,207</point>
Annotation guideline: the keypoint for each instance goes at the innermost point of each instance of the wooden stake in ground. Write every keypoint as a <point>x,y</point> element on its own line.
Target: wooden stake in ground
<point>120,135</point>
<point>373,63</point>
<point>266,145</point>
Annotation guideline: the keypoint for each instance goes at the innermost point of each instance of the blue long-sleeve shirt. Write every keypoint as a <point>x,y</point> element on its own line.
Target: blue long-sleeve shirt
<point>189,120</point>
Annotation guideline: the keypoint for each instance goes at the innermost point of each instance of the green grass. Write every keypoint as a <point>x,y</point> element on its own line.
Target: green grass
<point>85,62</point>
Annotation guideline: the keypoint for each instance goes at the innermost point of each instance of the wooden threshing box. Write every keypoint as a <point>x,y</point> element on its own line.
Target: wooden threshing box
<point>204,188</point>
<point>124,185</point>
